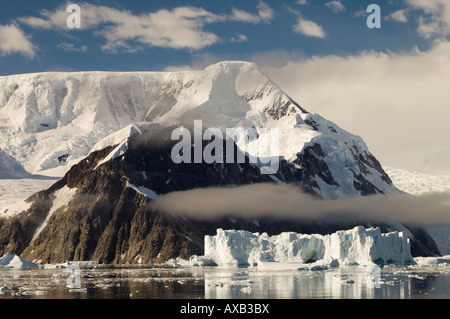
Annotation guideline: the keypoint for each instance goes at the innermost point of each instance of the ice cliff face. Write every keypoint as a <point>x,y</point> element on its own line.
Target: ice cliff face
<point>51,119</point>
<point>348,247</point>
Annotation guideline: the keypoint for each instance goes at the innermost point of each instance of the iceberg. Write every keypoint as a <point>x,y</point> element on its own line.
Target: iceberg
<point>14,261</point>
<point>357,246</point>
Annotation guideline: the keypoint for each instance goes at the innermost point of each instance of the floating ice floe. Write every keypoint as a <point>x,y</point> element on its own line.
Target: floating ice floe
<point>14,261</point>
<point>432,261</point>
<point>83,264</point>
<point>358,246</point>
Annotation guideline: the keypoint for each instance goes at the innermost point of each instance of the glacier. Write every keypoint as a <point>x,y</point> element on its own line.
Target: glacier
<point>357,246</point>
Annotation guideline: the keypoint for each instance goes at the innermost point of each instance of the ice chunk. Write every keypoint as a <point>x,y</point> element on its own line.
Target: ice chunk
<point>14,261</point>
<point>67,264</point>
<point>432,261</point>
<point>242,247</point>
<point>358,246</point>
<point>201,261</point>
<point>174,263</point>
<point>366,246</point>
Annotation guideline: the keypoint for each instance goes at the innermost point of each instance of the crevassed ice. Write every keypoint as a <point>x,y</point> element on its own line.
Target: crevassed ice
<point>349,247</point>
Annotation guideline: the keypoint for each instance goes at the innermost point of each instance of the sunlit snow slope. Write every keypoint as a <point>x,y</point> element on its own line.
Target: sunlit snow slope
<point>49,120</point>
<point>418,182</point>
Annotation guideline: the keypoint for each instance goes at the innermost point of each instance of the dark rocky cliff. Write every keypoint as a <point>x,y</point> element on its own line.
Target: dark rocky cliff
<point>110,222</point>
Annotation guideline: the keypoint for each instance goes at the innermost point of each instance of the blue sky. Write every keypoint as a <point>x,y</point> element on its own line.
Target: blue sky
<point>220,30</point>
<point>388,85</point>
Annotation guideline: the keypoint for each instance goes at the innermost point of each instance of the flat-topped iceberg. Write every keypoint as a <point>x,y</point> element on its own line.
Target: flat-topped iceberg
<point>358,246</point>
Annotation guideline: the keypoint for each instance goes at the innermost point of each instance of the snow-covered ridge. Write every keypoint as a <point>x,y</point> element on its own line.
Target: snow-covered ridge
<point>49,120</point>
<point>358,246</point>
<point>44,116</point>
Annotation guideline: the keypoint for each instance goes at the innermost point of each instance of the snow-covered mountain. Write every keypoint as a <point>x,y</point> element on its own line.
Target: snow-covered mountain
<point>109,135</point>
<point>49,120</point>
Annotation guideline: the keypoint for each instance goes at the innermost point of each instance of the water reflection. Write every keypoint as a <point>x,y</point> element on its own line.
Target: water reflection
<point>351,283</point>
<point>226,283</point>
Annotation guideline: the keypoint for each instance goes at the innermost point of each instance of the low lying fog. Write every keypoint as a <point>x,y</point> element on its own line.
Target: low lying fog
<point>288,201</point>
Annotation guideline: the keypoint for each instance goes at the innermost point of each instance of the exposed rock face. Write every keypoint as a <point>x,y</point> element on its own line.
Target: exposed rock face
<point>107,216</point>
<point>110,222</point>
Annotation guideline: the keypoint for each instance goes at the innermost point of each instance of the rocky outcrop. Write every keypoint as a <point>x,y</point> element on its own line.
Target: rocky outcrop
<point>110,222</point>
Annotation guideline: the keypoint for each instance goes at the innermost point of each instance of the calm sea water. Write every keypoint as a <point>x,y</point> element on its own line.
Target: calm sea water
<point>217,283</point>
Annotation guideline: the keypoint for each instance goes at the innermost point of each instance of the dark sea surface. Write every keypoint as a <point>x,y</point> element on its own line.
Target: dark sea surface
<point>165,282</point>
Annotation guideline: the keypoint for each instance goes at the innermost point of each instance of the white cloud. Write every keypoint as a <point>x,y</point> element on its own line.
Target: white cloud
<point>239,38</point>
<point>265,14</point>
<point>14,41</point>
<point>360,13</point>
<point>49,19</point>
<point>335,6</point>
<point>277,58</point>
<point>244,16</point>
<point>427,5</point>
<point>179,28</point>
<point>435,18</point>
<point>302,2</point>
<point>399,16</point>
<point>309,28</point>
<point>397,102</point>
<point>288,201</point>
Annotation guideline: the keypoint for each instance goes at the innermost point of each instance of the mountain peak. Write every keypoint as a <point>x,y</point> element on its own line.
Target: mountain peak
<point>48,117</point>
<point>233,65</point>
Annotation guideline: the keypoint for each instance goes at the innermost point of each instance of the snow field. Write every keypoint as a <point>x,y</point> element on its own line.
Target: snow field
<point>419,182</point>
